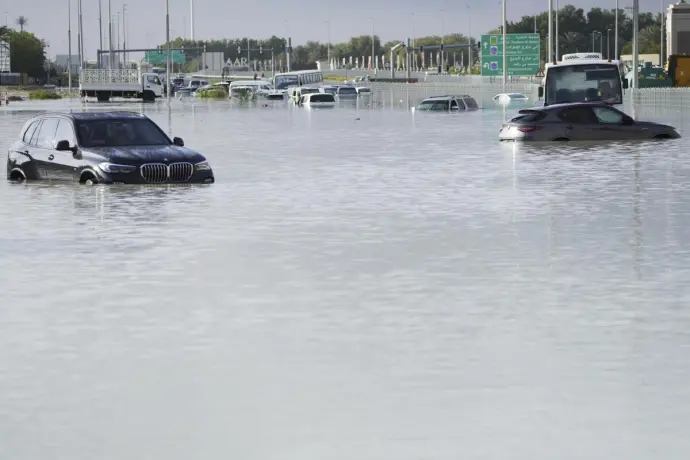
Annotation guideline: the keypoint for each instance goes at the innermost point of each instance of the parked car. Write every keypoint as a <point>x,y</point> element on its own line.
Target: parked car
<point>103,148</point>
<point>460,103</point>
<point>581,121</point>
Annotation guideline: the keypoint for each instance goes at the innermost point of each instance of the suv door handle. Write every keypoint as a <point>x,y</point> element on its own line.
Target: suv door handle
<point>51,156</point>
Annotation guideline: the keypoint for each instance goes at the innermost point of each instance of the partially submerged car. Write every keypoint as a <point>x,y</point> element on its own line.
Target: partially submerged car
<point>103,148</point>
<point>581,121</point>
<point>461,103</point>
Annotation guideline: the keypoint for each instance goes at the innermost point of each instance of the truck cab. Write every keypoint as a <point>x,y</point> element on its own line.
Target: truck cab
<point>152,82</point>
<point>582,77</point>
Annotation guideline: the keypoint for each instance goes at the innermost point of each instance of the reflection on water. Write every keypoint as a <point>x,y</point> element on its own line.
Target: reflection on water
<point>358,283</point>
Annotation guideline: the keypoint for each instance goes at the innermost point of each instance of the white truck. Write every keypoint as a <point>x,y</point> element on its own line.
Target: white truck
<point>104,84</point>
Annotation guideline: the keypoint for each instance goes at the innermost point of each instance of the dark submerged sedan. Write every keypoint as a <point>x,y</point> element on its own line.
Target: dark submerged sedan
<point>103,148</point>
<point>581,121</point>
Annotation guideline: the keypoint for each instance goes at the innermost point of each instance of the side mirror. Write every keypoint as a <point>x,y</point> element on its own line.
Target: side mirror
<point>625,84</point>
<point>541,92</point>
<point>63,146</point>
<point>178,141</point>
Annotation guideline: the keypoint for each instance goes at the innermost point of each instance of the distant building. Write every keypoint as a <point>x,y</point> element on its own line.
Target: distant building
<point>4,57</point>
<point>678,29</point>
<point>62,63</point>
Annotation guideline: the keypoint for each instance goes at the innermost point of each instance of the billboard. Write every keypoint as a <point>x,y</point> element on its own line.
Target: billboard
<point>213,61</point>
<point>4,56</point>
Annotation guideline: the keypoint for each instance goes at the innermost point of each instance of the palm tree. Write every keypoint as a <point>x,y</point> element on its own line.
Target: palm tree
<point>4,32</point>
<point>21,22</point>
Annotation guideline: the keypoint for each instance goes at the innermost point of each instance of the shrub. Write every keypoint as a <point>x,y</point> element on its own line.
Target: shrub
<point>42,94</point>
<point>212,93</point>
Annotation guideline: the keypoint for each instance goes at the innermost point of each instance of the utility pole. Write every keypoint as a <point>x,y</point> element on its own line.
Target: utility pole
<point>100,32</point>
<point>636,57</point>
<point>661,38</point>
<point>329,42</point>
<point>69,45</point>
<point>110,34</point>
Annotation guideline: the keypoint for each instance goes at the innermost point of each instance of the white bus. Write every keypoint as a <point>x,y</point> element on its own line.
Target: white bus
<point>581,77</point>
<point>282,81</point>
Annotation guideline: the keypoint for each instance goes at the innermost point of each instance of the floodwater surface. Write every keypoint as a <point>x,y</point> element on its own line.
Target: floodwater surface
<point>358,284</point>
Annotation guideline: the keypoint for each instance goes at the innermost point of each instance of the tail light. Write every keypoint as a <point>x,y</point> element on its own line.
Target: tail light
<point>529,129</point>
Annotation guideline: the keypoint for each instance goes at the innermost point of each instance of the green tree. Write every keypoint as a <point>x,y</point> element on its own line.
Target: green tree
<point>21,22</point>
<point>4,32</point>
<point>27,53</point>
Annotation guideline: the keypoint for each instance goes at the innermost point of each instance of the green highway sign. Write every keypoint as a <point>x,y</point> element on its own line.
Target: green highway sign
<point>522,54</point>
<point>158,57</point>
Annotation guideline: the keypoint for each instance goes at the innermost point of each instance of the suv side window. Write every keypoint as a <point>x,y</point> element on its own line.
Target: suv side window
<point>440,105</point>
<point>65,132</point>
<point>46,134</point>
<point>579,115</point>
<point>30,132</point>
<point>608,116</point>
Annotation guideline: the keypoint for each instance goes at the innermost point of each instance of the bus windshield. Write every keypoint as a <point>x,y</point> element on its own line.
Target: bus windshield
<point>583,82</point>
<point>283,81</point>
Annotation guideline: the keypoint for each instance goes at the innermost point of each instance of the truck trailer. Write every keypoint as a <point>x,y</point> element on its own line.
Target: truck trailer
<point>104,84</point>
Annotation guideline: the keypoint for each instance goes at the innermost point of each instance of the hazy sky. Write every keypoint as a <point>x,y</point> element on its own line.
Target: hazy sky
<point>304,20</point>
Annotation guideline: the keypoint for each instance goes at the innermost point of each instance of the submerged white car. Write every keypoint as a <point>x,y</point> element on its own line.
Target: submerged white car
<point>510,98</point>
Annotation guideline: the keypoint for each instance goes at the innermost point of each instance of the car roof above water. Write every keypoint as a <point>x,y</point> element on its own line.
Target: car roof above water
<point>116,115</point>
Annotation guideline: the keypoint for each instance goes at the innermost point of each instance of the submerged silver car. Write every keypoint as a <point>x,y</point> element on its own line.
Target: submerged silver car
<point>584,121</point>
<point>460,103</point>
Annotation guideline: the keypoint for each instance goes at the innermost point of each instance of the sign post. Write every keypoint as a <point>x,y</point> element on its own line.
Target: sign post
<point>522,54</point>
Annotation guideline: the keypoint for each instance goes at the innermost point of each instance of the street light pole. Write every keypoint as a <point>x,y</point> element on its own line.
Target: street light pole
<point>124,35</point>
<point>615,33</point>
<point>549,56</point>
<point>661,38</point>
<point>608,43</point>
<point>372,43</point>
<point>100,33</point>
<point>556,33</point>
<point>110,34</point>
<point>167,53</point>
<point>505,57</point>
<point>69,45</point>
<point>469,40</point>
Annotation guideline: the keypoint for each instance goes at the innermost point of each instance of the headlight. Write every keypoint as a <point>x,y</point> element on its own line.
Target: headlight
<point>203,166</point>
<point>116,169</point>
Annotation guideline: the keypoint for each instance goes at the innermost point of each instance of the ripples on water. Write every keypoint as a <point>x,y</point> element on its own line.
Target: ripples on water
<point>358,284</point>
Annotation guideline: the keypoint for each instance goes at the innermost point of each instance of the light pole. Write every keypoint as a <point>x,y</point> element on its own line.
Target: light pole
<point>167,51</point>
<point>469,40</point>
<point>615,33</point>
<point>443,32</point>
<point>118,38</point>
<point>608,43</point>
<point>110,34</point>
<point>100,32</point>
<point>661,37</point>
<point>601,43</point>
<point>558,49</point>
<point>550,32</point>
<point>328,24</point>
<point>636,27</point>
<point>69,46</point>
<point>594,34</point>
<point>124,35</point>
<point>503,29</point>
<point>372,42</point>
<point>191,20</point>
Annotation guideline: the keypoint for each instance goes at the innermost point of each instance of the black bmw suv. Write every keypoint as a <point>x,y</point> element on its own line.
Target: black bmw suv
<point>105,148</point>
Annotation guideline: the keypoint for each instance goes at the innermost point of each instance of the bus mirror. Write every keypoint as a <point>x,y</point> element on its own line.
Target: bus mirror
<point>541,92</point>
<point>625,83</point>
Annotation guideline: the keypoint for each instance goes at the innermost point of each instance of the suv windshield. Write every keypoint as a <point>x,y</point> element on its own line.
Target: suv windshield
<point>117,133</point>
<point>583,82</point>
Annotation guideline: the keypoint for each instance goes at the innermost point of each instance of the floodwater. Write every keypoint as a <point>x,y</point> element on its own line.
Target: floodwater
<point>358,284</point>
